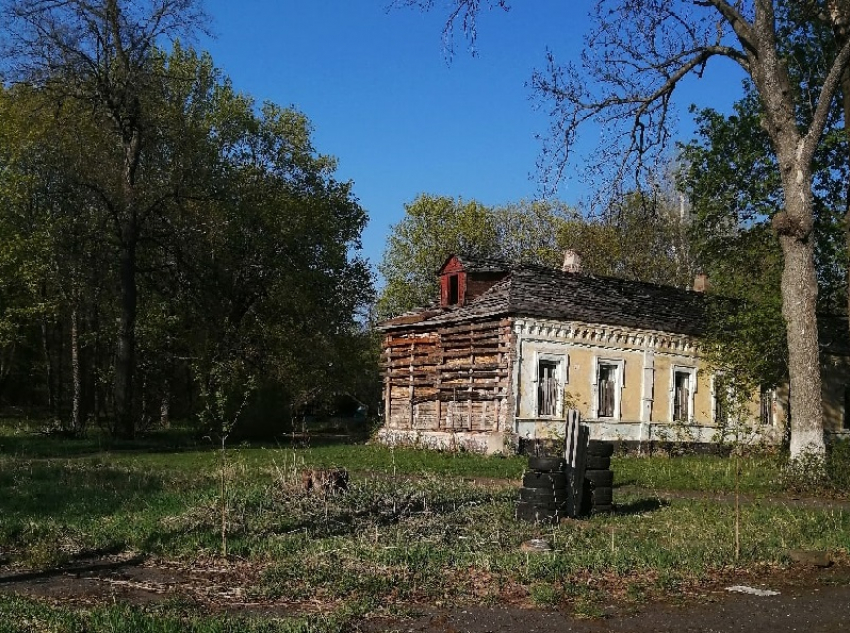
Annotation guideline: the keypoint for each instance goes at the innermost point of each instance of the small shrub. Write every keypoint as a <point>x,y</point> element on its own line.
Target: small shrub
<point>545,595</point>
<point>813,474</point>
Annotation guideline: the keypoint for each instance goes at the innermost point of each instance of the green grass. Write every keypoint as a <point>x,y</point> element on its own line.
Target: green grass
<point>414,527</point>
<point>758,474</point>
<point>25,615</point>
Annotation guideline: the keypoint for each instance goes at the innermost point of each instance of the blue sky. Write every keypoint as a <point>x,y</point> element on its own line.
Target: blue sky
<point>401,118</point>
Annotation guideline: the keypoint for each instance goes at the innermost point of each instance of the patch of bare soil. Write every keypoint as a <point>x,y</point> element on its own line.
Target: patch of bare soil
<point>208,585</point>
<point>810,599</point>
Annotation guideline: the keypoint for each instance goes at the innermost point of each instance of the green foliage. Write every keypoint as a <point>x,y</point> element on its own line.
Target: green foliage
<point>246,259</point>
<point>732,179</point>
<point>642,237</point>
<point>759,474</point>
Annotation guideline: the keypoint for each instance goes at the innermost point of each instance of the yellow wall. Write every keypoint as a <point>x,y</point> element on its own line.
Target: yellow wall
<point>582,363</point>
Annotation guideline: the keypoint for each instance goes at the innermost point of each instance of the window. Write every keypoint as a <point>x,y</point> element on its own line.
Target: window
<point>454,290</point>
<point>846,423</point>
<point>766,397</point>
<point>607,388</point>
<point>682,390</point>
<point>682,396</point>
<point>550,384</point>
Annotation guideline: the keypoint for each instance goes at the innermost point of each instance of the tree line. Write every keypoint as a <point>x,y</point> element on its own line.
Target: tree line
<point>169,246</point>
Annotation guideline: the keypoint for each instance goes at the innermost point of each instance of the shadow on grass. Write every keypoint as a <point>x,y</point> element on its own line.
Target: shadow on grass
<point>35,445</point>
<point>86,563</point>
<point>641,506</point>
<point>52,490</point>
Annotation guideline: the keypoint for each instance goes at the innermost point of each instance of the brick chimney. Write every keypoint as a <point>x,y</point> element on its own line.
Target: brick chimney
<point>701,283</point>
<point>572,262</point>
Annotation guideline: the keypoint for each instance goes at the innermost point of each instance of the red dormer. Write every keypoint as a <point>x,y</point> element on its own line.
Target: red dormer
<point>463,279</point>
<point>452,282</point>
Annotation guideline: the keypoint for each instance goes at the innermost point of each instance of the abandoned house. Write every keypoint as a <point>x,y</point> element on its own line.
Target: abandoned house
<point>508,349</point>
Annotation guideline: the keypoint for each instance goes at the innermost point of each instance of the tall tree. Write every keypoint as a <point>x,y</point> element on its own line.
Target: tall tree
<point>639,53</point>
<point>99,52</point>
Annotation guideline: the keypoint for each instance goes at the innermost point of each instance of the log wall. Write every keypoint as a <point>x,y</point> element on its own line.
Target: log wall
<point>453,378</point>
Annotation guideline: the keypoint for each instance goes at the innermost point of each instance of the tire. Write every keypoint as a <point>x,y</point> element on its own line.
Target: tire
<point>602,497</point>
<point>530,512</point>
<point>549,508</point>
<point>548,481</point>
<point>596,462</point>
<point>600,448</point>
<point>586,503</point>
<point>543,496</point>
<point>599,478</point>
<point>547,464</point>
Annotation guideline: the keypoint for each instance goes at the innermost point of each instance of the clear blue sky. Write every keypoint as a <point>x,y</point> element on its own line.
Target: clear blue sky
<point>401,119</point>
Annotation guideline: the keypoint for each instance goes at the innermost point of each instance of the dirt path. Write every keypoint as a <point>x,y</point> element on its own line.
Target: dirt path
<point>810,599</point>
<point>814,601</point>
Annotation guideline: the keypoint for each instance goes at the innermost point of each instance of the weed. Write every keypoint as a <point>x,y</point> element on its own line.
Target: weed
<point>545,595</point>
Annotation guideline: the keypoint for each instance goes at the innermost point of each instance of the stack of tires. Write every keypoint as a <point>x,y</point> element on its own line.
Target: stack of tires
<point>598,478</point>
<point>543,496</point>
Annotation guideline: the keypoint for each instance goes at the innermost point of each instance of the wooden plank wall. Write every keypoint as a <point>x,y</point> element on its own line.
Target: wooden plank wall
<point>454,378</point>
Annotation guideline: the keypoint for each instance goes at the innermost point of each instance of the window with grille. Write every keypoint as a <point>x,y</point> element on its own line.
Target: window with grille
<point>681,396</point>
<point>723,397</point>
<point>548,387</point>
<point>607,388</point>
<point>683,388</point>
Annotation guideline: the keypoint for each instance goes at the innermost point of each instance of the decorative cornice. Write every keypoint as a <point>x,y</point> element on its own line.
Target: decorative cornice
<point>605,335</point>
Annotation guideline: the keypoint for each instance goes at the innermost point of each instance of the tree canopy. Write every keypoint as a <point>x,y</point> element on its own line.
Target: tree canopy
<point>244,258</point>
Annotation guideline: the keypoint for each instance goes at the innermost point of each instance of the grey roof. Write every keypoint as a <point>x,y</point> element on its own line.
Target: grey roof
<point>537,291</point>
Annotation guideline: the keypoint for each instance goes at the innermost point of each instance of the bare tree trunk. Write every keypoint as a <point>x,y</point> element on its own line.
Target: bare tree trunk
<point>76,396</point>
<point>48,369</point>
<point>125,361</point>
<point>799,307</point>
<point>165,408</point>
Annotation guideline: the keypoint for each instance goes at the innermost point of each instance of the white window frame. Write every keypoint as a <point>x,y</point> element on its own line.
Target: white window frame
<point>562,361</point>
<point>620,382</point>
<point>692,391</point>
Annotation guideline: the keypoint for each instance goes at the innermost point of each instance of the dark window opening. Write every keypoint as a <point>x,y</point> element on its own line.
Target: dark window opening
<point>721,413</point>
<point>607,381</point>
<point>847,408</point>
<point>766,406</point>
<point>547,388</point>
<point>681,396</point>
<point>722,400</point>
<point>454,290</point>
